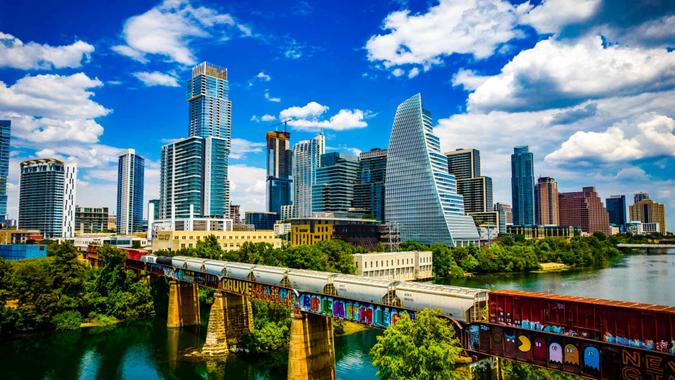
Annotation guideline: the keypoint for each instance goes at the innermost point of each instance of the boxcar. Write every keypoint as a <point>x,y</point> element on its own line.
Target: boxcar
<point>461,304</point>
<point>626,323</point>
<point>135,254</point>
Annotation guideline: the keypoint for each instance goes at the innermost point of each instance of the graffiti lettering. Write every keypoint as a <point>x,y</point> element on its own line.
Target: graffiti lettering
<point>237,287</point>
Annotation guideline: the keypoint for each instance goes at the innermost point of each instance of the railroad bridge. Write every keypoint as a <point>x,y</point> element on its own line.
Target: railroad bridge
<point>588,337</point>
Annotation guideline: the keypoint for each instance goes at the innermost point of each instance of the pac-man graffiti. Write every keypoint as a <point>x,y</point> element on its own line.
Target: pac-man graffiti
<point>540,349</point>
<point>571,355</point>
<point>525,344</point>
<point>591,358</point>
<point>555,353</point>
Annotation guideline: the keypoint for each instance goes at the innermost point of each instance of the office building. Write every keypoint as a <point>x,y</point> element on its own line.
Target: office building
<point>23,251</point>
<point>153,205</point>
<point>522,186</point>
<point>646,210</point>
<point>210,107</point>
<point>489,218</point>
<point>616,208</point>
<point>402,266</point>
<point>130,181</point>
<point>546,202</point>
<point>235,213</point>
<point>20,236</point>
<point>369,189</point>
<point>112,223</point>
<point>505,210</point>
<point>477,193</point>
<point>261,220</point>
<point>47,197</point>
<point>228,240</point>
<point>91,219</point>
<point>306,161</point>
<point>333,190</point>
<point>279,170</point>
<point>421,196</point>
<point>365,233</point>
<point>464,163</point>
<point>541,232</point>
<point>287,212</point>
<point>583,209</point>
<point>5,132</point>
<point>637,197</point>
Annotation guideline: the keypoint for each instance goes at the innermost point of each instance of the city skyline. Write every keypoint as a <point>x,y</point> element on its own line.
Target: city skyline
<point>564,129</point>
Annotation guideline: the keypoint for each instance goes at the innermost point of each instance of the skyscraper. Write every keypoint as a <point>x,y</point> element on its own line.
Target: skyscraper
<point>583,209</point>
<point>421,196</point>
<point>333,190</point>
<point>130,178</point>
<point>306,161</point>
<point>477,193</point>
<point>505,209</point>
<point>522,186</point>
<point>647,211</point>
<point>546,201</point>
<point>194,169</point>
<point>5,132</point>
<point>616,208</point>
<point>279,170</point>
<point>464,163</point>
<point>369,188</point>
<point>47,197</point>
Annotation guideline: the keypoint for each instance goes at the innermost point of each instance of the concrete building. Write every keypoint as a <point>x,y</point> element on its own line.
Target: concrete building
<point>130,185</point>
<point>119,241</point>
<point>47,197</point>
<point>402,266</point>
<point>477,193</point>
<point>369,190</point>
<point>306,161</point>
<point>421,196</point>
<point>616,208</point>
<point>584,209</point>
<point>546,202</point>
<point>287,212</point>
<point>112,222</point>
<point>5,134</point>
<point>504,209</point>
<point>261,220</point>
<point>464,163</point>
<point>489,218</point>
<point>279,170</point>
<point>646,210</point>
<point>333,190</point>
<point>91,219</point>
<point>541,232</point>
<point>361,232</point>
<point>20,236</point>
<point>235,213</point>
<point>228,240</point>
<point>522,186</point>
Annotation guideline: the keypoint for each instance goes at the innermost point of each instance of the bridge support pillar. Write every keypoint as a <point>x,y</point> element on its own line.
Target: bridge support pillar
<point>183,305</point>
<point>216,338</point>
<point>238,316</point>
<point>311,353</point>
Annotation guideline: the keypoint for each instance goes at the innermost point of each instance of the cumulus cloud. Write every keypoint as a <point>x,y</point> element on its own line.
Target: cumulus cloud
<point>311,109</point>
<point>156,78</point>
<point>556,74</point>
<point>273,99</point>
<point>309,118</point>
<point>571,115</point>
<point>622,141</point>
<point>468,79</point>
<point>551,15</point>
<point>240,147</point>
<point>266,117</point>
<point>15,54</point>
<point>247,186</point>
<point>169,28</point>
<point>474,27</point>
<point>263,77</point>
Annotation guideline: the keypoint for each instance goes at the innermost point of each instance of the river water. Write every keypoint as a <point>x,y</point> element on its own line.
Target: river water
<point>148,350</point>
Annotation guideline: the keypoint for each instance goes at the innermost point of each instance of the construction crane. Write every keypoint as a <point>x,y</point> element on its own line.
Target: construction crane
<point>284,122</point>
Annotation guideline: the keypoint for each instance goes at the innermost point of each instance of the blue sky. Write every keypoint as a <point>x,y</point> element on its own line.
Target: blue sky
<point>588,84</point>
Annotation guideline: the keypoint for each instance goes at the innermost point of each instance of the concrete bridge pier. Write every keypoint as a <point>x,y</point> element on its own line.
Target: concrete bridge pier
<point>311,352</point>
<point>238,316</point>
<point>183,304</point>
<point>216,338</point>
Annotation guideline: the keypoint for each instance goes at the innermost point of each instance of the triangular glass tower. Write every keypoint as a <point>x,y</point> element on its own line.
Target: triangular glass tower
<point>421,196</point>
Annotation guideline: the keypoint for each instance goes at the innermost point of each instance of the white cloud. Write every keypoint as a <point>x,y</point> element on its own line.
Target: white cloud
<point>622,141</point>
<point>397,72</point>
<point>240,147</point>
<point>265,117</point>
<point>247,186</point>
<point>657,32</point>
<point>475,27</point>
<point>311,109</point>
<point>468,79</point>
<point>155,78</point>
<point>263,77</point>
<point>551,15</point>
<point>343,120</point>
<point>15,54</point>
<point>169,28</point>
<point>413,72</point>
<point>271,98</point>
<point>557,74</point>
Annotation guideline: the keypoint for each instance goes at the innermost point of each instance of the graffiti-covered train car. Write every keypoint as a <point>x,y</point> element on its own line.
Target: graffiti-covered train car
<point>625,323</point>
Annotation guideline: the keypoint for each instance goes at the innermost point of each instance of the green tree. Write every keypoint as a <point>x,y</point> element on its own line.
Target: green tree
<point>425,349</point>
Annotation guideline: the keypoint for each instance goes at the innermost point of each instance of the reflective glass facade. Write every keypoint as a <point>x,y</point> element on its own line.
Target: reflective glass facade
<point>369,188</point>
<point>130,177</point>
<point>210,107</point>
<point>522,186</point>
<point>5,126</point>
<point>335,180</point>
<point>616,207</point>
<point>306,160</point>
<point>279,170</point>
<point>421,196</point>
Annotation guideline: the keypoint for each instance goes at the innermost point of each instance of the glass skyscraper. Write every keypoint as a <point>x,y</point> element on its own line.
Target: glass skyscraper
<point>130,176</point>
<point>421,196</point>
<point>47,197</point>
<point>335,179</point>
<point>522,186</point>
<point>5,132</point>
<point>369,188</point>
<point>279,170</point>
<point>306,160</point>
<point>194,170</point>
<point>616,207</point>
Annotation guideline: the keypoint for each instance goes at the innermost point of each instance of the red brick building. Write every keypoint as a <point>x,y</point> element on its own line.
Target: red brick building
<point>583,209</point>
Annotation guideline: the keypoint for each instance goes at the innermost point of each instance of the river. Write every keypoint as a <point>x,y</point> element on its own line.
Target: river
<point>148,350</point>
